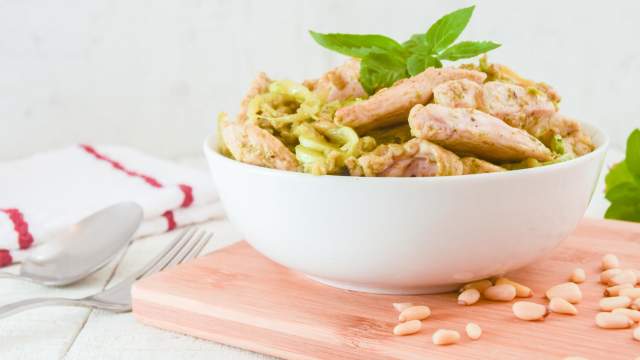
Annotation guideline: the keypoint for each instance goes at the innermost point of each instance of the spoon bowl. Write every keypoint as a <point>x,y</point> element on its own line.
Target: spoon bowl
<point>83,248</point>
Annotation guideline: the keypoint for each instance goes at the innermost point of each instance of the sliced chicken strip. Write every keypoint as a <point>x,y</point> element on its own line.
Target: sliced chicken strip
<point>472,132</point>
<point>545,128</point>
<point>252,145</point>
<point>415,158</point>
<point>260,85</point>
<point>477,166</point>
<point>340,83</point>
<point>517,106</point>
<point>392,105</point>
<point>504,73</point>
<point>461,93</point>
<point>580,143</point>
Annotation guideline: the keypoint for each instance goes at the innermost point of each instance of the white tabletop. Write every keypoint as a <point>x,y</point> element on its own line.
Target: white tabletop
<point>76,333</point>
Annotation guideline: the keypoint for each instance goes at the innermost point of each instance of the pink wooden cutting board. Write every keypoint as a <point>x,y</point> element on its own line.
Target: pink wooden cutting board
<point>238,297</point>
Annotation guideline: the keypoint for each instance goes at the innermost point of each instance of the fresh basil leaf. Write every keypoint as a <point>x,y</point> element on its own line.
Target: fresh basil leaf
<point>356,45</point>
<point>416,63</point>
<point>633,154</point>
<point>627,212</point>
<point>624,193</point>
<point>467,49</point>
<point>381,69</point>
<point>618,174</point>
<point>416,41</point>
<point>447,29</point>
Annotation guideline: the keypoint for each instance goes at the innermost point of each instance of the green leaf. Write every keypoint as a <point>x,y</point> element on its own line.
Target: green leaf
<point>416,41</point>
<point>356,45</point>
<point>416,63</point>
<point>447,29</point>
<point>633,154</point>
<point>467,49</point>
<point>625,212</point>
<point>618,174</point>
<point>381,69</point>
<point>624,193</point>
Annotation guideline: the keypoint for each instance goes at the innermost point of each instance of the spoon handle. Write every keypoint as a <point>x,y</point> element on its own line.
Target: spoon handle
<point>6,275</point>
<point>19,306</point>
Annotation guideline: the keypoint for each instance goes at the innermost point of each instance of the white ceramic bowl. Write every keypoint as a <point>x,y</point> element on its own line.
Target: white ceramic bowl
<point>406,235</point>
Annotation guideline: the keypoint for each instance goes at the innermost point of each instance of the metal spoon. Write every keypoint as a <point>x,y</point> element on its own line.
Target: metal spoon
<point>83,249</point>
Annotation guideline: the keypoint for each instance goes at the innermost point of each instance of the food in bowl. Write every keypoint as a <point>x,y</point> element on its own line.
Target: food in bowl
<point>397,225</point>
<point>442,121</point>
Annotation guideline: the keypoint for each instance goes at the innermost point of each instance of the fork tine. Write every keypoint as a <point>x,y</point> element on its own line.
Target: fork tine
<point>186,251</point>
<point>183,235</point>
<point>170,253</point>
<point>198,248</point>
<point>177,252</point>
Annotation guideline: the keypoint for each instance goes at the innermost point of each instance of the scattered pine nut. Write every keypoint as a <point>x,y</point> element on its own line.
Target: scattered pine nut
<point>614,302</point>
<point>401,306</point>
<point>630,313</point>
<point>562,306</point>
<point>521,290</point>
<point>568,291</point>
<point>605,276</point>
<point>407,328</point>
<point>469,297</point>
<point>635,305</point>
<point>610,261</point>
<point>445,337</point>
<point>615,290</point>
<point>419,312</point>
<point>481,285</point>
<point>530,311</point>
<point>636,334</point>
<point>607,320</point>
<point>504,292</point>
<point>625,277</point>
<point>473,331</point>
<point>633,293</point>
<point>578,276</point>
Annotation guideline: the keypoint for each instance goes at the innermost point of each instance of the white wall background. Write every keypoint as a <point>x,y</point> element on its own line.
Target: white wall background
<point>153,74</point>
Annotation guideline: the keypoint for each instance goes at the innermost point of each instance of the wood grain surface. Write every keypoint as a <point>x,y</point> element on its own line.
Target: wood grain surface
<point>237,297</point>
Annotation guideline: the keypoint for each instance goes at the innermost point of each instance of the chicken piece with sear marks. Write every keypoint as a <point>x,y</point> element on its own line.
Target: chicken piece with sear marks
<point>472,132</point>
<point>461,93</point>
<point>340,83</point>
<point>392,105</point>
<point>415,158</point>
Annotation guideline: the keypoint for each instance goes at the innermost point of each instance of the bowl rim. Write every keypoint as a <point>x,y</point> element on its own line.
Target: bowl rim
<point>210,142</point>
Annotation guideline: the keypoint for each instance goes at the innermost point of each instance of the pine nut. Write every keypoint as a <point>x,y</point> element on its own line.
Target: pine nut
<point>605,276</point>
<point>610,261</point>
<point>636,334</point>
<point>578,276</point>
<point>614,302</point>
<point>631,314</point>
<point>419,312</point>
<point>521,290</point>
<point>607,320</point>
<point>473,331</point>
<point>481,285</point>
<point>615,290</point>
<point>562,306</point>
<point>635,305</point>
<point>530,311</point>
<point>631,292</point>
<point>568,291</point>
<point>504,292</point>
<point>625,277</point>
<point>407,328</point>
<point>445,337</point>
<point>469,297</point>
<point>401,306</point>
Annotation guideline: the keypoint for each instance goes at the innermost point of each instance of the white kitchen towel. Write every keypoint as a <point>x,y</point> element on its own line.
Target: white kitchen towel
<point>45,193</point>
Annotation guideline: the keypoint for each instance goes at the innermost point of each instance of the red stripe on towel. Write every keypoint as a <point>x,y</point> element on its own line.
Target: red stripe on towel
<point>5,257</point>
<point>25,239</point>
<point>187,191</point>
<point>171,222</point>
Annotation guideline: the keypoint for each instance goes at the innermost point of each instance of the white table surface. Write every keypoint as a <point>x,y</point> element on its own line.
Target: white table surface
<point>76,333</point>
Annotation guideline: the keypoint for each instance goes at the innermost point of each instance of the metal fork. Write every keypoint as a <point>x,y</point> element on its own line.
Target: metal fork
<point>186,246</point>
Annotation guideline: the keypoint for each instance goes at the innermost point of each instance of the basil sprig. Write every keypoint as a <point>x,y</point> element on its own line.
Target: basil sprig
<point>385,61</point>
<point>623,183</point>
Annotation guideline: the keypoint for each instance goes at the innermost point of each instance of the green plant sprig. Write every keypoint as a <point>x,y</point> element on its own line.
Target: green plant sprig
<point>623,183</point>
<point>385,61</point>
